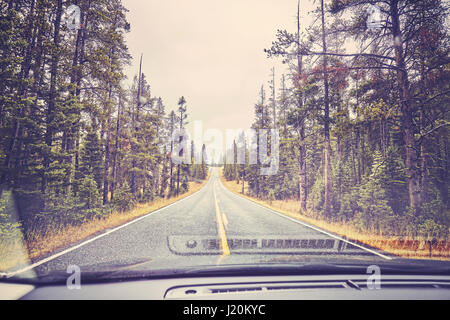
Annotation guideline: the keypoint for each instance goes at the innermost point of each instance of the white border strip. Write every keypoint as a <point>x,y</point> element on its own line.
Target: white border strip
<point>52,257</point>
<point>312,227</point>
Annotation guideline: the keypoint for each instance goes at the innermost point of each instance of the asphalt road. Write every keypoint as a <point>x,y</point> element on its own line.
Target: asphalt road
<point>213,226</point>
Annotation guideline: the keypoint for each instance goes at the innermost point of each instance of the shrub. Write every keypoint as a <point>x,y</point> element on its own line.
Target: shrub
<point>88,192</point>
<point>123,199</point>
<point>10,230</point>
<point>148,195</point>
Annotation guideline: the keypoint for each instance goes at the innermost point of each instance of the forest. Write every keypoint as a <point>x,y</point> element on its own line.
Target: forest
<point>76,142</point>
<point>363,118</point>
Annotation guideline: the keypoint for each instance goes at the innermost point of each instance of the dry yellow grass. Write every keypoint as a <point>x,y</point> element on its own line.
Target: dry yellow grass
<point>12,254</point>
<point>41,245</point>
<point>404,247</point>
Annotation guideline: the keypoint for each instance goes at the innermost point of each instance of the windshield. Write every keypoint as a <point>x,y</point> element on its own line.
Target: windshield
<point>167,137</point>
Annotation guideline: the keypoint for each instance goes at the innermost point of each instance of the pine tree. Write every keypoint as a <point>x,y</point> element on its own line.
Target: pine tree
<point>92,158</point>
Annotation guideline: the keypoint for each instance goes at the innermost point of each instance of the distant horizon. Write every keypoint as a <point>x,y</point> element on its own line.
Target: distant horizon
<point>227,44</point>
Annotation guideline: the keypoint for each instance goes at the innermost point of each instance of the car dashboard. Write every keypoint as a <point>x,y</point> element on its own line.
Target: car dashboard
<point>291,287</point>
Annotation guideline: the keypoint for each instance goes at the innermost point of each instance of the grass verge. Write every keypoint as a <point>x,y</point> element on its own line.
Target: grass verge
<point>399,246</point>
<point>19,252</point>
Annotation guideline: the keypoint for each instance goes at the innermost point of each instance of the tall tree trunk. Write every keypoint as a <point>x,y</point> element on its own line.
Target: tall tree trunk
<point>327,143</point>
<point>171,168</point>
<point>163,184</point>
<point>302,146</point>
<point>75,79</point>
<point>302,170</point>
<point>178,179</point>
<point>79,76</point>
<point>116,148</point>
<point>171,129</point>
<point>243,181</point>
<point>52,97</point>
<point>108,134</point>
<point>423,165</point>
<point>274,106</point>
<point>135,128</point>
<point>107,152</point>
<point>358,153</point>
<point>423,149</point>
<point>407,112</point>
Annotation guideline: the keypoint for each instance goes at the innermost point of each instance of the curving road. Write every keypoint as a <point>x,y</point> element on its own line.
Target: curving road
<point>213,226</point>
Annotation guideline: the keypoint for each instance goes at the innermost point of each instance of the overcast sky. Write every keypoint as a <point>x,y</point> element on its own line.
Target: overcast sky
<point>209,51</point>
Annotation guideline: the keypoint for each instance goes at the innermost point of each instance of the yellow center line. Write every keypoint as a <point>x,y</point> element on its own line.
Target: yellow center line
<point>221,230</point>
<point>225,220</point>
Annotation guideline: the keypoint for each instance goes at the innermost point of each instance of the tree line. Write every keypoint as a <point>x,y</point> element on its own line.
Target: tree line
<point>364,133</point>
<point>74,143</point>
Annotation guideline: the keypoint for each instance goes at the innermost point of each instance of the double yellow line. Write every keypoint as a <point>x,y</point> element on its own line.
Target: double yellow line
<point>221,230</point>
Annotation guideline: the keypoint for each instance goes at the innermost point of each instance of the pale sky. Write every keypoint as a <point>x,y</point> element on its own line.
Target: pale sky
<point>210,52</point>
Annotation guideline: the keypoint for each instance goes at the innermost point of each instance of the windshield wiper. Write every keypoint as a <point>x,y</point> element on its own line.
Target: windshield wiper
<point>276,269</point>
<point>314,269</point>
